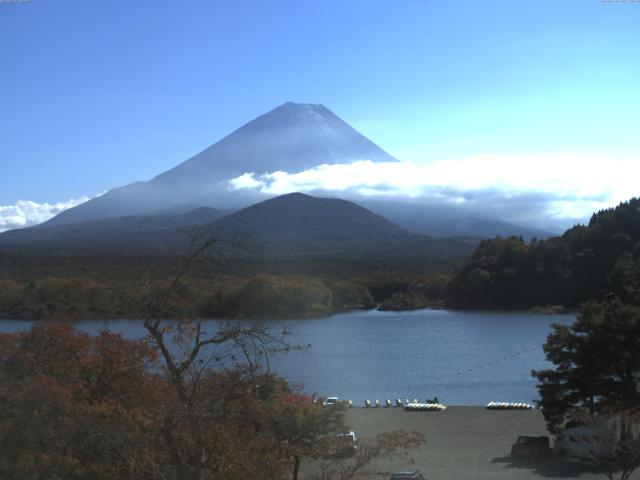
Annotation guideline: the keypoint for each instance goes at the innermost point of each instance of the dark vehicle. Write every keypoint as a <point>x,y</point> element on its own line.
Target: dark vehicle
<point>415,475</point>
<point>530,448</point>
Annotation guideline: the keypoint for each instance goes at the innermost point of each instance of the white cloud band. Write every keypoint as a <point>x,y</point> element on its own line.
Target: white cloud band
<point>570,185</point>
<point>26,213</point>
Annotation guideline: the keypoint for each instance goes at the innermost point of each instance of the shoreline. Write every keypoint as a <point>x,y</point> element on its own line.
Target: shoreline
<point>309,315</point>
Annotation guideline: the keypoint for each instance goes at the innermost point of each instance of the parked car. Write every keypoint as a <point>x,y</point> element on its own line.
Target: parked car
<point>329,401</point>
<point>413,475</point>
<point>530,448</point>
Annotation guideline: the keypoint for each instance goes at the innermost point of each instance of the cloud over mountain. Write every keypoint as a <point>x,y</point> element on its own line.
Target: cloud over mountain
<point>534,188</point>
<point>26,213</point>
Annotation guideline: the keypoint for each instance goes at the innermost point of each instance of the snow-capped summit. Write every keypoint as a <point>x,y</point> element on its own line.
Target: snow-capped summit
<point>291,137</point>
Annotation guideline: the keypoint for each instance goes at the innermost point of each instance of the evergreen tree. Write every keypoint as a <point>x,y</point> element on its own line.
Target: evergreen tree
<point>597,364</point>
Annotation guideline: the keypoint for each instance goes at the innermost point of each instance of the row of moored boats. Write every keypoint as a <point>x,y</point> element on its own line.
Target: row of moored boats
<point>425,407</point>
<point>509,406</point>
<point>408,405</point>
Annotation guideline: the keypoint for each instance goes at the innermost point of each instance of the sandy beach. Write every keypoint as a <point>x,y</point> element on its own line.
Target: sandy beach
<point>463,443</point>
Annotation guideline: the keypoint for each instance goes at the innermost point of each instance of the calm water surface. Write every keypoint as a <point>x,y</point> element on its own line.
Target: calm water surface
<point>465,358</point>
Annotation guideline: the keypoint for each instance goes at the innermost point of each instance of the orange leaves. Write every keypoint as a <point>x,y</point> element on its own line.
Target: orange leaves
<point>291,398</point>
<point>77,406</point>
<point>73,404</point>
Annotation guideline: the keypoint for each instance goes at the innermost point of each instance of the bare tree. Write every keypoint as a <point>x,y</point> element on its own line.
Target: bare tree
<point>208,366</point>
<point>220,386</point>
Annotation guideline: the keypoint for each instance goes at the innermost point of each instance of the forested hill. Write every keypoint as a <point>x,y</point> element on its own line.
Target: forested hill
<point>586,262</point>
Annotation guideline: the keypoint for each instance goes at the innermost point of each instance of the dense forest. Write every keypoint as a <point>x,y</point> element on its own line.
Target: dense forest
<point>586,262</point>
<point>77,287</point>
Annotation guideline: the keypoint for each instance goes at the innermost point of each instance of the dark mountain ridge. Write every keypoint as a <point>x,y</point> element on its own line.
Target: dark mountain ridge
<point>107,234</point>
<point>300,216</point>
<point>292,225</point>
<point>300,225</point>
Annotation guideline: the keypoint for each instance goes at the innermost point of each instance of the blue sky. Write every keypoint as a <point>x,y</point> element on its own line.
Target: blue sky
<point>99,94</point>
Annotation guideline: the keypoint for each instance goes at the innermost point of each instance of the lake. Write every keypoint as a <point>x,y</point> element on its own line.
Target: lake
<point>465,358</point>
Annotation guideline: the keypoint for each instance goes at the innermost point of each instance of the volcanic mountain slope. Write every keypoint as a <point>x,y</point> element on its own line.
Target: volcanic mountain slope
<point>292,137</point>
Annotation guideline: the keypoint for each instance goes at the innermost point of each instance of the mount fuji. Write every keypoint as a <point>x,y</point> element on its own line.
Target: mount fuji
<point>292,137</point>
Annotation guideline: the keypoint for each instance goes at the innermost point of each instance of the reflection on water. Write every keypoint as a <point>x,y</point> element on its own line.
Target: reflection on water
<point>464,358</point>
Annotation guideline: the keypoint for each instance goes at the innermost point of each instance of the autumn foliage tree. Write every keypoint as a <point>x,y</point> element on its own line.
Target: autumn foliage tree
<point>77,406</point>
<point>74,405</point>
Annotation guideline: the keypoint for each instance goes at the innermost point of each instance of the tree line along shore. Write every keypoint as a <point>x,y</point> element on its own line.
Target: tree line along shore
<point>588,262</point>
<point>91,287</point>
